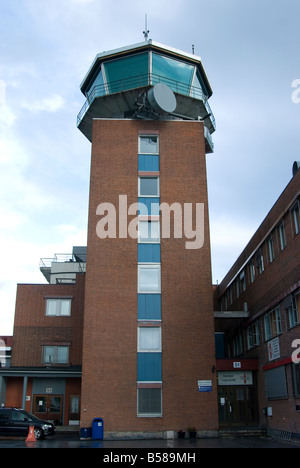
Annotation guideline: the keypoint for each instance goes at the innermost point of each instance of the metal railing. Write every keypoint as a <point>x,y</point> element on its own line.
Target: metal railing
<point>61,258</point>
<point>141,81</point>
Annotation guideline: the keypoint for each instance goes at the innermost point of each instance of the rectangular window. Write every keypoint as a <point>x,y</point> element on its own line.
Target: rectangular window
<point>253,335</point>
<point>148,144</point>
<point>148,187</point>
<point>149,402</point>
<point>276,385</point>
<point>272,322</point>
<point>55,354</point>
<point>149,278</point>
<point>149,231</point>
<point>271,249</point>
<point>242,281</point>
<point>58,307</point>
<point>149,339</point>
<point>296,218</point>
<point>252,271</point>
<point>260,261</point>
<point>282,236</point>
<point>291,307</point>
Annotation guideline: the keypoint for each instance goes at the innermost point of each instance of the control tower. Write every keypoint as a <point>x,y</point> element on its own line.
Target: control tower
<point>148,345</point>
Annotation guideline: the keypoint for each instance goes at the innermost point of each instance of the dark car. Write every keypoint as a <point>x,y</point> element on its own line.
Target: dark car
<point>16,422</point>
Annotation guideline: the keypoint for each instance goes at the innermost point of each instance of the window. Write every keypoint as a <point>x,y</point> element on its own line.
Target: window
<point>296,218</point>
<point>276,385</point>
<point>259,261</point>
<point>149,278</point>
<point>58,307</point>
<point>148,187</point>
<point>149,231</point>
<point>282,236</point>
<point>296,379</point>
<point>238,345</point>
<point>148,144</point>
<point>271,249</point>
<point>149,339</point>
<point>127,73</point>
<point>291,308</point>
<point>55,354</point>
<point>272,323</point>
<point>149,402</point>
<point>242,281</point>
<point>252,271</point>
<point>253,335</point>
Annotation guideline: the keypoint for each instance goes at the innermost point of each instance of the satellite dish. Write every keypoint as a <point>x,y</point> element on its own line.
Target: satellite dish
<point>296,167</point>
<point>162,99</point>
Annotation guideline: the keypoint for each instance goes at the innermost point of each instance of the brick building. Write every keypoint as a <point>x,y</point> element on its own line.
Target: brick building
<point>148,320</point>
<point>258,305</point>
<point>44,376</point>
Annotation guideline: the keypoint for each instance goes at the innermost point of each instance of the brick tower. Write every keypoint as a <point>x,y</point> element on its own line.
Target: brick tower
<point>148,345</point>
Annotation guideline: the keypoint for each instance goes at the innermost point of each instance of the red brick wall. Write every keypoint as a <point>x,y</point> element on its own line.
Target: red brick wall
<point>279,278</point>
<point>109,382</point>
<point>32,327</point>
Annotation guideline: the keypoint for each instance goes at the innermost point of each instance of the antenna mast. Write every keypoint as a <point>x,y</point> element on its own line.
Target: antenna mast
<point>146,32</point>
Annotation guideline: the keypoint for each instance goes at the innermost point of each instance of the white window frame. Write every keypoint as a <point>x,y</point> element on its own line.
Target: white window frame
<point>149,196</point>
<point>271,249</point>
<point>57,305</point>
<point>272,323</point>
<point>55,353</point>
<point>282,235</point>
<point>149,415</point>
<point>148,136</point>
<point>149,266</point>
<point>141,349</point>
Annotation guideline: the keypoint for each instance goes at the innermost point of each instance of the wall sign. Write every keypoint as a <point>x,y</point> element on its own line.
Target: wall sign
<point>204,386</point>
<point>235,378</point>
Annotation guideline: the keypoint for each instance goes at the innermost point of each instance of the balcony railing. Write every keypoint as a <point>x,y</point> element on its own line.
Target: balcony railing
<point>140,81</point>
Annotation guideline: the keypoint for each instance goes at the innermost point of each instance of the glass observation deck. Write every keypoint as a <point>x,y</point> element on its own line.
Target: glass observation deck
<point>116,79</point>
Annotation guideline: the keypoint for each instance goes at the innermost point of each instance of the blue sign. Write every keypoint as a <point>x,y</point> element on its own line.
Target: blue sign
<point>204,386</point>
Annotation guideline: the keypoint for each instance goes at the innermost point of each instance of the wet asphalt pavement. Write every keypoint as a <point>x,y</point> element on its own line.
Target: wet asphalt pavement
<point>61,440</point>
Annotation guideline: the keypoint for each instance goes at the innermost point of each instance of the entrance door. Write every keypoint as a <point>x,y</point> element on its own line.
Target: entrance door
<point>237,406</point>
<point>48,407</point>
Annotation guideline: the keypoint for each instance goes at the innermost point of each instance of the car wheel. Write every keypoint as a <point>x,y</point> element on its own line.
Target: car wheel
<point>38,433</point>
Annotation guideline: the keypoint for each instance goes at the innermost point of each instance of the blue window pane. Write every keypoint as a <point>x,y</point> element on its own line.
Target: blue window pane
<point>149,307</point>
<point>148,163</point>
<point>148,206</point>
<point>97,88</point>
<point>149,253</point>
<point>177,75</point>
<point>149,367</point>
<point>127,73</point>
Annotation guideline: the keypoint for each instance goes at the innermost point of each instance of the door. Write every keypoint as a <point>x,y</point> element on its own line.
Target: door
<point>237,406</point>
<point>48,407</point>
<point>74,409</point>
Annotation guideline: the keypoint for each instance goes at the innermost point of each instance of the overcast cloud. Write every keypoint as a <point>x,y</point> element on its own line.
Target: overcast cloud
<point>250,51</point>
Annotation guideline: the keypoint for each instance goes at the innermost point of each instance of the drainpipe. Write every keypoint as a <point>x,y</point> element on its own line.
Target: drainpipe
<point>25,381</point>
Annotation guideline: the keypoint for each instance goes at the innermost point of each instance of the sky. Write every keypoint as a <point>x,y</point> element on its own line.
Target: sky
<point>251,53</point>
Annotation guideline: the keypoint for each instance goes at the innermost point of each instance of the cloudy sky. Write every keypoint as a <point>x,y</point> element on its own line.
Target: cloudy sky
<point>251,53</point>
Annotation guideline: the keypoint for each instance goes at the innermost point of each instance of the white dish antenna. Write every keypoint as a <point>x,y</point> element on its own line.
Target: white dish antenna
<point>162,99</point>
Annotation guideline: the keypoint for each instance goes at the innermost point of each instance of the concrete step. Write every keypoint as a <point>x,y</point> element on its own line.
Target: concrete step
<point>245,432</point>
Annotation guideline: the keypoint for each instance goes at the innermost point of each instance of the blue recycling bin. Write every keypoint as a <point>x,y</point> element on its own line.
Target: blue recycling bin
<point>97,429</point>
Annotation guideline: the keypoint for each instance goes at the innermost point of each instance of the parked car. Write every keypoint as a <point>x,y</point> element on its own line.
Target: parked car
<point>16,422</point>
